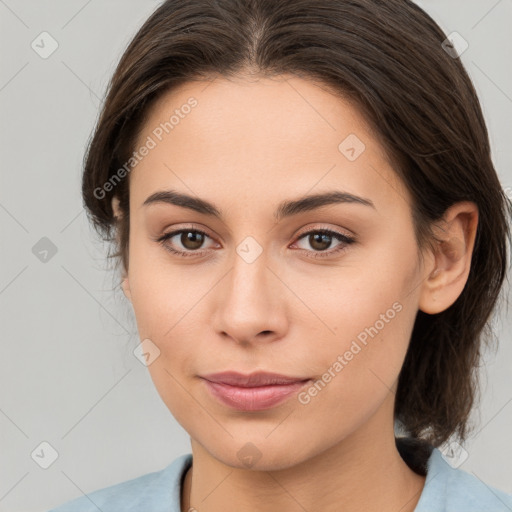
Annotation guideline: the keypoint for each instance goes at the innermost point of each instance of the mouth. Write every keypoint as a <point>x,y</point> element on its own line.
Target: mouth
<point>254,392</point>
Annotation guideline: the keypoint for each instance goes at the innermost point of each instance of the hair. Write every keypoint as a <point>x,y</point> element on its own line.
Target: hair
<point>387,58</point>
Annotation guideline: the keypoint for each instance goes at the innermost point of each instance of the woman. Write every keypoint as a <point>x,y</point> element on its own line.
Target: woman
<point>313,238</point>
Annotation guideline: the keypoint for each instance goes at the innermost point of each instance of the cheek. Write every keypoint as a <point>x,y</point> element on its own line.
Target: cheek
<point>173,388</point>
<point>368,288</point>
<point>367,313</point>
<point>161,292</point>
<point>360,367</point>
<point>367,350</point>
<point>164,300</point>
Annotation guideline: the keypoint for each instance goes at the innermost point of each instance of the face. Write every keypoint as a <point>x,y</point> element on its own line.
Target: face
<point>328,294</point>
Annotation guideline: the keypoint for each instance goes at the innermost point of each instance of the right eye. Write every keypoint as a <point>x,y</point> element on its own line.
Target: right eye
<point>190,239</point>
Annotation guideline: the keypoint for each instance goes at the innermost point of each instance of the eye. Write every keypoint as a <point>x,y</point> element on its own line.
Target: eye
<point>190,239</point>
<point>321,239</point>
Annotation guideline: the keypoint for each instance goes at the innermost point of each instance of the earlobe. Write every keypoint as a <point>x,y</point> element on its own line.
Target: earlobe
<point>115,206</point>
<point>116,210</point>
<point>125,285</point>
<point>452,259</point>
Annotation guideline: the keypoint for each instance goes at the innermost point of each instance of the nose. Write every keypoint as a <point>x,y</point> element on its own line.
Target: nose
<point>250,303</point>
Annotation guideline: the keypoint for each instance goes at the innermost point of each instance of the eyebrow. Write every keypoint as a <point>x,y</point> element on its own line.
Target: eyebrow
<point>285,209</point>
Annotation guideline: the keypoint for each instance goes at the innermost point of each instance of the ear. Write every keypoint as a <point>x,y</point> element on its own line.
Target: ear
<point>454,248</point>
<point>115,207</point>
<point>125,284</point>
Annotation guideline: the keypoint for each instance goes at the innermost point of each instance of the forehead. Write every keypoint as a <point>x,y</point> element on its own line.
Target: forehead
<point>253,137</point>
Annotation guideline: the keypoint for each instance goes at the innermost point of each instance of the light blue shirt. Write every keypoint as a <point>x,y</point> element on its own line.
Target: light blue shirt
<point>446,490</point>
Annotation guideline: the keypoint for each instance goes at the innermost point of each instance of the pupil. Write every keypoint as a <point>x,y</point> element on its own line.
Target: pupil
<point>323,239</point>
<point>193,238</point>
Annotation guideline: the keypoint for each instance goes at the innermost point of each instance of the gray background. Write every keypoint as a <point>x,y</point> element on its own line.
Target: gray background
<point>67,372</point>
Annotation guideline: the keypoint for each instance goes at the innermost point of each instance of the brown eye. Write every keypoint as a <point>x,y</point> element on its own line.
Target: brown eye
<point>192,240</point>
<point>321,239</point>
<point>188,242</point>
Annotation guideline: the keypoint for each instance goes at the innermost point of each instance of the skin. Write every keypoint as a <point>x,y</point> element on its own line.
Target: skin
<point>248,145</point>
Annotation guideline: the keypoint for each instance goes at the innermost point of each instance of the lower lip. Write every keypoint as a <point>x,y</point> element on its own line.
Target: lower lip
<point>253,399</point>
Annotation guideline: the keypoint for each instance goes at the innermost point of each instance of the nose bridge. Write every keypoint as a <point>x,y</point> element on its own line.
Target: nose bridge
<point>249,280</point>
<point>247,303</point>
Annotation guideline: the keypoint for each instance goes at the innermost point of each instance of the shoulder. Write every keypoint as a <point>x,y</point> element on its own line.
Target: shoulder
<point>450,489</point>
<point>153,492</point>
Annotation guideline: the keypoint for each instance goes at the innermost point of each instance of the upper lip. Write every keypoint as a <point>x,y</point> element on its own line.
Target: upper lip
<point>252,380</point>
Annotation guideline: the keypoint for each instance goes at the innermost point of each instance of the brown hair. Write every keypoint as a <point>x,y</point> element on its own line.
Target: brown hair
<point>386,57</point>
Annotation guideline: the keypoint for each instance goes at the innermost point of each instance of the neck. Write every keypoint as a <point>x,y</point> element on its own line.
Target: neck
<point>362,472</point>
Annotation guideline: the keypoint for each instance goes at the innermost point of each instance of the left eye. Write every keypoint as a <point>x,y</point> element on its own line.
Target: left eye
<point>321,240</point>
<point>193,239</point>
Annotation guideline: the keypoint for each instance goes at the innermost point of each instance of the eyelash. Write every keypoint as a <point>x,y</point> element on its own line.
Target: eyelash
<point>317,254</point>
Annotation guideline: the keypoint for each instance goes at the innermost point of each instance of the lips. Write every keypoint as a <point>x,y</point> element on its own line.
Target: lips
<point>254,392</point>
<point>252,380</point>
